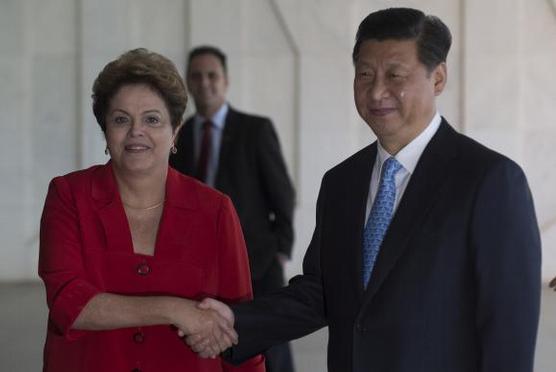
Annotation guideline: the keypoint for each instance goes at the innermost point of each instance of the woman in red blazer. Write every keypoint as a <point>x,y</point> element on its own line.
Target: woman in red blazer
<point>125,245</point>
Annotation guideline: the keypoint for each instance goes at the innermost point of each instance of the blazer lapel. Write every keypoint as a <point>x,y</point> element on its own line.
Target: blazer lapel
<point>178,217</point>
<point>176,223</point>
<point>110,210</point>
<point>417,200</point>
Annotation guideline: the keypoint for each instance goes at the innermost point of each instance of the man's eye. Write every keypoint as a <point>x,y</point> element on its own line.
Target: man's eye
<point>195,76</point>
<point>396,76</point>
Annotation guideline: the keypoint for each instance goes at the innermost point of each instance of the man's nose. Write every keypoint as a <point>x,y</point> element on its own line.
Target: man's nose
<point>378,89</point>
<point>205,81</point>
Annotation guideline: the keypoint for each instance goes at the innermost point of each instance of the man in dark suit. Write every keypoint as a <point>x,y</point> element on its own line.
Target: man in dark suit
<point>426,251</point>
<point>239,154</point>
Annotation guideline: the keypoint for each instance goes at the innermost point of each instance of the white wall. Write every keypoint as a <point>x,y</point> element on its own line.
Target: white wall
<point>289,60</point>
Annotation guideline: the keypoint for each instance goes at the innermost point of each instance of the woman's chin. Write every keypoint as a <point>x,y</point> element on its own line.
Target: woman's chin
<point>136,167</point>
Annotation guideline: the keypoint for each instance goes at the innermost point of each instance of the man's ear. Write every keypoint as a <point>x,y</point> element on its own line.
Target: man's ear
<point>440,77</point>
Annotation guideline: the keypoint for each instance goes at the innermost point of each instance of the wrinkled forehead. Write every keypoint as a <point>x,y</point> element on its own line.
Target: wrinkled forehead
<point>390,50</point>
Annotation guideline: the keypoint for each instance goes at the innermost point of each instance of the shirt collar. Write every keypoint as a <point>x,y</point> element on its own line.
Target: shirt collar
<point>218,119</point>
<point>410,154</point>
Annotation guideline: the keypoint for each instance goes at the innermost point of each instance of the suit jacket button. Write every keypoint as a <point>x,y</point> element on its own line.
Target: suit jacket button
<point>143,269</point>
<point>138,337</point>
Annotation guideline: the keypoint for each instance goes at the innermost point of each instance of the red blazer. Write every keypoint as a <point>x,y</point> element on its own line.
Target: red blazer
<point>86,248</point>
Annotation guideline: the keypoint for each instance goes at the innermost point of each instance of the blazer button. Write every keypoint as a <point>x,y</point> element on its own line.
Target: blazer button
<point>138,337</point>
<point>143,269</point>
<point>135,370</point>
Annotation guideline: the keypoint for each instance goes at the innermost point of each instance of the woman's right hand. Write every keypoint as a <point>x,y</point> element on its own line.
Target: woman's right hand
<point>213,332</point>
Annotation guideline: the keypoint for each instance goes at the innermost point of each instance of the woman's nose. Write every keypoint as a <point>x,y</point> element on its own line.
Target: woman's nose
<point>136,128</point>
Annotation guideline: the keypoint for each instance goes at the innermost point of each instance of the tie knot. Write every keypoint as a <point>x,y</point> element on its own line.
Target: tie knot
<point>391,167</point>
<point>207,125</point>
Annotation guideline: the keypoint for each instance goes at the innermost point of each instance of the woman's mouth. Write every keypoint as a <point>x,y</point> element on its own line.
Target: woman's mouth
<point>135,148</point>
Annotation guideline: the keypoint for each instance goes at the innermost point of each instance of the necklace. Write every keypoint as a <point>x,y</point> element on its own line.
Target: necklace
<point>144,209</point>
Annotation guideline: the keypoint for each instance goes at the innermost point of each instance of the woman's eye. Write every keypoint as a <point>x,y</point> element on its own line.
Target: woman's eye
<point>120,120</point>
<point>153,120</point>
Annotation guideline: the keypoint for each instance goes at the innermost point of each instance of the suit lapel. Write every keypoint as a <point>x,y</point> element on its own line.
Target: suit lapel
<point>417,200</point>
<point>229,137</point>
<point>184,159</point>
<point>358,202</point>
<point>188,148</point>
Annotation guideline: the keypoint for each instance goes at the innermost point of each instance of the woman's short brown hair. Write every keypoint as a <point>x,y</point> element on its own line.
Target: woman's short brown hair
<point>140,66</point>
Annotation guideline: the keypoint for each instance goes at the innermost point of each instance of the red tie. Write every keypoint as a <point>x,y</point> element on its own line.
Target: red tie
<point>204,155</point>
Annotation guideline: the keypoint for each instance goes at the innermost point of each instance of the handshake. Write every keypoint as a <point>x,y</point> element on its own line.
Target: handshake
<point>207,327</point>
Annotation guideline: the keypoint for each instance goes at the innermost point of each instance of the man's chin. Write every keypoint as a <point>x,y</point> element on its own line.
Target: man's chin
<point>381,123</point>
<point>384,128</point>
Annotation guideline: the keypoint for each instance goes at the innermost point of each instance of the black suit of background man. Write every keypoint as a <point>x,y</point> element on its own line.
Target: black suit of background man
<point>251,170</point>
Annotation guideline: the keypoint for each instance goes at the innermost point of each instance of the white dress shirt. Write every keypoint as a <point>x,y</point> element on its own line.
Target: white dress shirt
<point>408,157</point>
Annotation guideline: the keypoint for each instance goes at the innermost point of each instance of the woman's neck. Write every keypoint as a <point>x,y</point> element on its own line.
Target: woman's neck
<point>141,191</point>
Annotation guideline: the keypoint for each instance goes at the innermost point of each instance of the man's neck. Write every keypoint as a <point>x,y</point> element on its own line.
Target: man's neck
<point>208,112</point>
<point>394,144</point>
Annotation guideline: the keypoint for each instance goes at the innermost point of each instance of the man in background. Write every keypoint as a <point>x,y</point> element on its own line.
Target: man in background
<point>239,154</point>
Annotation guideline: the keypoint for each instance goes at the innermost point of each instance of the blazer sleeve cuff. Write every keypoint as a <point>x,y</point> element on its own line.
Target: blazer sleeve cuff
<point>255,364</point>
<point>68,305</point>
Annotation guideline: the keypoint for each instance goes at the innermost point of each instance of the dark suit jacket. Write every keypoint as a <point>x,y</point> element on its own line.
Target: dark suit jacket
<point>456,286</point>
<point>252,172</point>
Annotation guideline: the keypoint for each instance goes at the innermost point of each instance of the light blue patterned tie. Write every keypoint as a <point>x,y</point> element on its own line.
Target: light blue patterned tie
<point>380,216</point>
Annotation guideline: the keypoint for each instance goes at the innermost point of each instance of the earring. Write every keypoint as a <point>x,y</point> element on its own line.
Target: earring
<point>173,149</point>
<point>106,151</point>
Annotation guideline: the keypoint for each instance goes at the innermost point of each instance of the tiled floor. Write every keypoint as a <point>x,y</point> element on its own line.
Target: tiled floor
<point>23,319</point>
